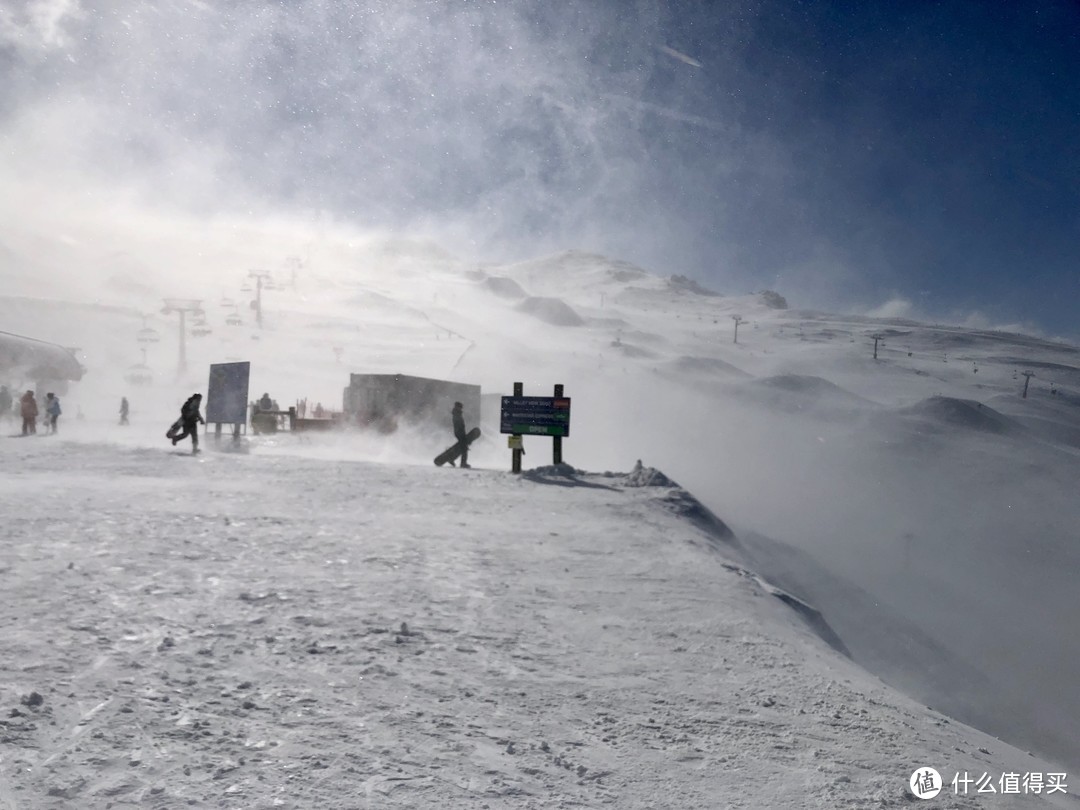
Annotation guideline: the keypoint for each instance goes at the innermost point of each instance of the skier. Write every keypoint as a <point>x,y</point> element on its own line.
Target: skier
<point>52,411</point>
<point>124,410</point>
<point>29,410</point>
<point>460,434</point>
<point>189,422</point>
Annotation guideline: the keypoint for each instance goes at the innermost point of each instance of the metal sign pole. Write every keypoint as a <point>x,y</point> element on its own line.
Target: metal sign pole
<point>556,441</point>
<point>519,391</point>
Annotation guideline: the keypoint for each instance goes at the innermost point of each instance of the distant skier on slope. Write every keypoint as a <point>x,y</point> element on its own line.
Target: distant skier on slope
<point>188,423</point>
<point>124,410</point>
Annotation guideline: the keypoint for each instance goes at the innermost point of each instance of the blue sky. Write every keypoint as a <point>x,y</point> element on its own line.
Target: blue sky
<point>845,154</point>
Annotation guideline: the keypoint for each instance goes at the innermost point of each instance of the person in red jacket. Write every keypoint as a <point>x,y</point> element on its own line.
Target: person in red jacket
<point>29,411</point>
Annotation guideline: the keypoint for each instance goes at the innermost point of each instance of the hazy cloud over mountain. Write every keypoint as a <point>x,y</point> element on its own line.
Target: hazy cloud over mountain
<point>830,152</point>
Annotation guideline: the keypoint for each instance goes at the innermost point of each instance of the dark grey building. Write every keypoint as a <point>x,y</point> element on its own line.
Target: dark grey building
<point>386,401</point>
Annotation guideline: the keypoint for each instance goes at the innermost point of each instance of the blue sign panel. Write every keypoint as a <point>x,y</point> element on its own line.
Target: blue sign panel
<point>537,416</point>
<point>227,394</point>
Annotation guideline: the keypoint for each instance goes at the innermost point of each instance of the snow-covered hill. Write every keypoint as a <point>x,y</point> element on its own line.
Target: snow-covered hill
<point>238,630</point>
<point>924,507</point>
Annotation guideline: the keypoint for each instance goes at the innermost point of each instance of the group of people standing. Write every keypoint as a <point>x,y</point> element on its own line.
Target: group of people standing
<point>187,425</point>
<point>302,409</point>
<point>29,410</point>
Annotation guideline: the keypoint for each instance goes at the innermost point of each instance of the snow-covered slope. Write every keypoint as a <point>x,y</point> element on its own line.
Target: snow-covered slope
<point>238,630</point>
<point>915,496</point>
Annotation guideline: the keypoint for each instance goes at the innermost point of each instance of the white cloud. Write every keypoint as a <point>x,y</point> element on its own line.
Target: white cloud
<point>37,27</point>
<point>893,308</point>
<point>979,320</point>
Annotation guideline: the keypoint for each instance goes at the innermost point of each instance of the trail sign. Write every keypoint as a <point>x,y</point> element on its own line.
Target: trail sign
<point>535,416</point>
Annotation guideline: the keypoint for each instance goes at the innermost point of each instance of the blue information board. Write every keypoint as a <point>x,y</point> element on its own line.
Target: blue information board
<point>536,416</point>
<point>227,394</point>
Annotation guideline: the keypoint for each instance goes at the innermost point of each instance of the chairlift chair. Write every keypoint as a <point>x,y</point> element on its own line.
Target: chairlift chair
<point>139,374</point>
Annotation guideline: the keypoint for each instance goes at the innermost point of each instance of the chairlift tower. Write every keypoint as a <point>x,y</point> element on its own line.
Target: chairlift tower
<point>293,263</point>
<point>738,320</point>
<point>259,276</point>
<point>183,306</point>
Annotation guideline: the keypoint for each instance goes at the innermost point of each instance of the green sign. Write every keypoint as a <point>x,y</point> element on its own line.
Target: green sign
<point>535,416</point>
<point>540,430</point>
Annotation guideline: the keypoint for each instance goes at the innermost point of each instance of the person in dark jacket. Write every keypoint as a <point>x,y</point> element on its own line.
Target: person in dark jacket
<point>29,410</point>
<point>460,433</point>
<point>124,410</point>
<point>190,418</point>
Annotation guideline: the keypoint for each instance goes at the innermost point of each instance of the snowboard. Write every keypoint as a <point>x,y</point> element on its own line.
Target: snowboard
<point>451,453</point>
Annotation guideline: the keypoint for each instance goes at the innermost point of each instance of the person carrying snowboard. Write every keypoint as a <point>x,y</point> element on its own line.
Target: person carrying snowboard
<point>460,434</point>
<point>29,410</point>
<point>189,422</point>
<point>52,411</point>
